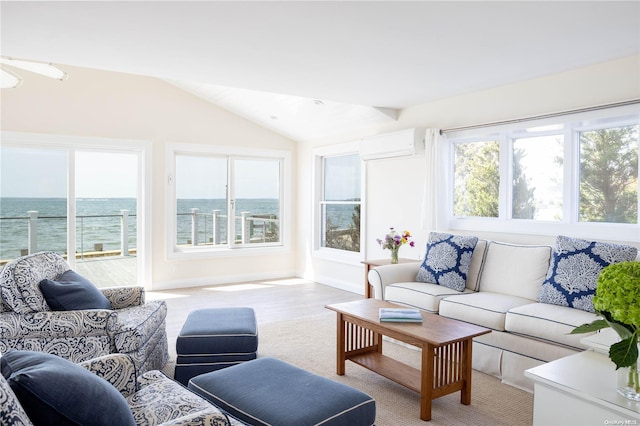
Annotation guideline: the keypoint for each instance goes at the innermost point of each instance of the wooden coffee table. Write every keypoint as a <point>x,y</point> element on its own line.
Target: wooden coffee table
<point>445,343</point>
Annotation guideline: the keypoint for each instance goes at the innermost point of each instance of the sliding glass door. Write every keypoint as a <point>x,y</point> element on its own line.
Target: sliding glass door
<point>105,216</point>
<point>80,202</point>
<point>33,201</point>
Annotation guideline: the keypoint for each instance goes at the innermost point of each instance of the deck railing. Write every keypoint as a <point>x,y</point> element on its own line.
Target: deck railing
<point>253,229</point>
<point>33,231</point>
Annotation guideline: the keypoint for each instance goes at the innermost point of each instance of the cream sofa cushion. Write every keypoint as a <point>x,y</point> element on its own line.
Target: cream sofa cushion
<point>551,323</point>
<point>484,309</point>
<point>425,296</point>
<point>475,268</point>
<point>515,270</point>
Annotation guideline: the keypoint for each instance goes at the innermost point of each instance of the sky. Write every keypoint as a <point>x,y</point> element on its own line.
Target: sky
<point>35,173</point>
<point>40,173</point>
<point>342,178</point>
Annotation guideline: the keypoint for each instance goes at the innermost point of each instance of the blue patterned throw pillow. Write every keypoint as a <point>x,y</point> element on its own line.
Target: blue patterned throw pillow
<point>55,391</point>
<point>573,273</point>
<point>447,260</point>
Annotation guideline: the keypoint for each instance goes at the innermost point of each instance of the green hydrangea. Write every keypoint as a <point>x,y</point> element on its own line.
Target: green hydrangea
<point>617,302</point>
<point>618,292</point>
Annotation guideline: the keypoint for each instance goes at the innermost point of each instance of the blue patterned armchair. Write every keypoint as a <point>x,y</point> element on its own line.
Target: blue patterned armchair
<point>130,327</point>
<point>152,398</point>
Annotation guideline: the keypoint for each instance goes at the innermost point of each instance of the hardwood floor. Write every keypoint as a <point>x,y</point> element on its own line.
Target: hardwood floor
<point>272,300</point>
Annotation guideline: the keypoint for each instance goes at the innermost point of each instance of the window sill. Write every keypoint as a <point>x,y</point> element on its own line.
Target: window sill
<point>211,253</point>
<point>340,256</point>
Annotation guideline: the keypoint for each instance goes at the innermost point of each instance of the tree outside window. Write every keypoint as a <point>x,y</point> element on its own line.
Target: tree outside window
<point>476,179</point>
<point>609,175</point>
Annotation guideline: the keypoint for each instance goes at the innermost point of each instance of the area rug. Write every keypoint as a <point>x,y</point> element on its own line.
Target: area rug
<point>310,343</point>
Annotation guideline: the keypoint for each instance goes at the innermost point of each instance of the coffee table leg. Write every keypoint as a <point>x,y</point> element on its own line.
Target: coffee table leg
<point>340,345</point>
<point>465,392</point>
<point>426,382</point>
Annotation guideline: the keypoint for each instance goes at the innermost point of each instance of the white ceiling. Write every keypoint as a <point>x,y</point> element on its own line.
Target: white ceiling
<point>270,61</point>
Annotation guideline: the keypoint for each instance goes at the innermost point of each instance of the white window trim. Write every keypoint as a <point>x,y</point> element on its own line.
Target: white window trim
<point>568,226</point>
<point>203,252</point>
<point>71,144</point>
<point>325,253</point>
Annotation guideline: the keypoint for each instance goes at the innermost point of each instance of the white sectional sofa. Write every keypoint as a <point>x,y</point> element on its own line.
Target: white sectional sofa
<point>503,287</point>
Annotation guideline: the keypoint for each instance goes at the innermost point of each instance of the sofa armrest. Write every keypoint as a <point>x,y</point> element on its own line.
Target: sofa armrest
<point>381,276</point>
<point>124,297</point>
<point>57,324</point>
<point>117,369</point>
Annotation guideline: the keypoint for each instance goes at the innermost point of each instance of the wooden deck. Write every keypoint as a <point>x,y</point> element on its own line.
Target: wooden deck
<point>109,271</point>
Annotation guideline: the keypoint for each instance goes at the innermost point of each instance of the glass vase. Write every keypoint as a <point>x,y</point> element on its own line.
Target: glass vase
<point>394,257</point>
<point>628,382</point>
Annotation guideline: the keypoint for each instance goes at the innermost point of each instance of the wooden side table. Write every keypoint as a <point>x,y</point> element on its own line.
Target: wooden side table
<point>368,264</point>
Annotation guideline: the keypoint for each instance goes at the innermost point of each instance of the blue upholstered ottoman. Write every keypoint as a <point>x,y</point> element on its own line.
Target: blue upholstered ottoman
<point>267,391</point>
<point>216,338</point>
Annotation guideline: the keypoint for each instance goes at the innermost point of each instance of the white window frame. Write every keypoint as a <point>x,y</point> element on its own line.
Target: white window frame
<point>331,254</point>
<point>173,251</point>
<point>72,144</point>
<point>569,225</point>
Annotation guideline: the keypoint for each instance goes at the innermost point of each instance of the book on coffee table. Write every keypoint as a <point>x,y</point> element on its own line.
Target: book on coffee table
<point>400,315</point>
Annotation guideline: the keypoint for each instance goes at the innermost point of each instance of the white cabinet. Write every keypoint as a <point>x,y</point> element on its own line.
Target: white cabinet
<point>580,390</point>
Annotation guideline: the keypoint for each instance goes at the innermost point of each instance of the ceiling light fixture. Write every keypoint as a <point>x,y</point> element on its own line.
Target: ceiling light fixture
<point>318,102</point>
<point>9,79</point>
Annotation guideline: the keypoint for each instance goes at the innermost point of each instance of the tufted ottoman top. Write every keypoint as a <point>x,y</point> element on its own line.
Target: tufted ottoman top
<point>267,391</point>
<point>218,331</point>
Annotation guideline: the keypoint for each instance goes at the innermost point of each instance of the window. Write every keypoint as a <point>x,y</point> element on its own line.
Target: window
<point>33,195</point>
<point>223,199</point>
<point>573,171</point>
<point>476,179</point>
<point>257,200</point>
<point>76,195</point>
<point>106,205</point>
<point>200,200</point>
<point>340,203</point>
<point>609,174</point>
<point>537,178</point>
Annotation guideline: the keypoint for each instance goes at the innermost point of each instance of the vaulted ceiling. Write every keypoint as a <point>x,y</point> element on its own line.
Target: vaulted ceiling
<point>302,68</point>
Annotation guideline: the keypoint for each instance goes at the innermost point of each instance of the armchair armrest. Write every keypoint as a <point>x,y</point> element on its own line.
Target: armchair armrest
<point>124,297</point>
<point>135,325</point>
<point>201,418</point>
<point>57,324</point>
<point>381,276</point>
<point>117,369</point>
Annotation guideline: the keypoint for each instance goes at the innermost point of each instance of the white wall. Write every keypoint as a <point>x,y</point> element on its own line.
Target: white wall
<point>111,105</point>
<point>394,186</point>
<point>121,106</point>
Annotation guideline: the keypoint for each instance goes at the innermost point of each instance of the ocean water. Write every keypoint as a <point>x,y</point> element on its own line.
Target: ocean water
<point>98,221</point>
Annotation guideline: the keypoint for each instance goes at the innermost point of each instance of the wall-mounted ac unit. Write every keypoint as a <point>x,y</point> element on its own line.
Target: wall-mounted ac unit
<point>389,145</point>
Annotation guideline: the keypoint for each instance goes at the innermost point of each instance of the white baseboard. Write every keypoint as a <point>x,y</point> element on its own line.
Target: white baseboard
<point>218,280</point>
<point>356,288</point>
